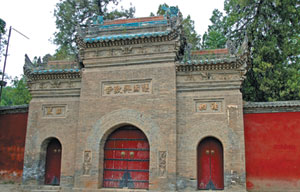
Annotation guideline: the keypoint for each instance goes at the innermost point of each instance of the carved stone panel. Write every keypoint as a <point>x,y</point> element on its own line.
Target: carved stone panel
<point>232,115</point>
<point>134,87</point>
<point>87,162</point>
<point>209,106</point>
<point>53,111</point>
<point>162,166</point>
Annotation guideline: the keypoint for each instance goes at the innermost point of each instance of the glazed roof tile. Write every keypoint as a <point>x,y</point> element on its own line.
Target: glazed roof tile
<point>212,56</point>
<point>133,25</point>
<point>203,61</point>
<point>134,20</point>
<point>14,109</point>
<point>127,29</point>
<point>125,36</point>
<point>294,103</point>
<point>54,71</point>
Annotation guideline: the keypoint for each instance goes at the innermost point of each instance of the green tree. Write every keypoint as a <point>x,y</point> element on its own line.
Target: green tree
<point>273,30</point>
<point>2,39</point>
<point>215,38</point>
<point>72,13</point>
<point>188,27</point>
<point>16,94</point>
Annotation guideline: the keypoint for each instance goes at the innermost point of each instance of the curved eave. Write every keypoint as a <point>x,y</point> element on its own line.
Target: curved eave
<point>209,61</point>
<point>108,38</point>
<point>53,74</point>
<point>205,65</point>
<point>274,104</point>
<point>272,107</point>
<point>54,71</point>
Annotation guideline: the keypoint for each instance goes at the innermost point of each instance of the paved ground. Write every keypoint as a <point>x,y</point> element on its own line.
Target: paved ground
<point>10,187</point>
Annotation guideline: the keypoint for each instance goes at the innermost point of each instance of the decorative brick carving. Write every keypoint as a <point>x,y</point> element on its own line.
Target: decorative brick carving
<point>234,178</point>
<point>126,50</point>
<point>134,87</point>
<point>55,83</point>
<point>162,167</point>
<point>54,110</point>
<point>42,85</point>
<point>87,162</point>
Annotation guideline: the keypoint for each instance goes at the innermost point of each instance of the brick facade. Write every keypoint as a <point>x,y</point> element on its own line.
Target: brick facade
<point>136,77</point>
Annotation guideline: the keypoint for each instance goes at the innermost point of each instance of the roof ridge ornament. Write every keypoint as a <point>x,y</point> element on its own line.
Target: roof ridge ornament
<point>230,45</point>
<point>171,11</point>
<point>98,20</point>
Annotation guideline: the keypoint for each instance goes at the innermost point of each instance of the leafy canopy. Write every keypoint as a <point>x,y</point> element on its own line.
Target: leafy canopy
<point>188,27</point>
<point>2,34</point>
<point>72,13</point>
<point>215,38</point>
<point>273,30</point>
<point>16,94</point>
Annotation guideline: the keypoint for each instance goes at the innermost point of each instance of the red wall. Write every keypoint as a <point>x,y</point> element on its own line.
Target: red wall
<point>12,142</point>
<point>272,142</point>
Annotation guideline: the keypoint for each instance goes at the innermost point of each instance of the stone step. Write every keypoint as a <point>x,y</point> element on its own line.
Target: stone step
<point>44,188</point>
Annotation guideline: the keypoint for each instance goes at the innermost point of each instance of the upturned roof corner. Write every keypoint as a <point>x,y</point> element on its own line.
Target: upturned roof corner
<point>229,58</point>
<point>101,33</point>
<point>51,69</point>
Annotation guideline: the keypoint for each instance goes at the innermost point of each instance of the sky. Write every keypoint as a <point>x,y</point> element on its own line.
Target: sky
<point>34,19</point>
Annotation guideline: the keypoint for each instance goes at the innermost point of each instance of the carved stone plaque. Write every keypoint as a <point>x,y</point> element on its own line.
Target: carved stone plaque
<point>54,110</point>
<point>134,87</point>
<point>87,158</point>
<point>162,167</point>
<point>209,106</point>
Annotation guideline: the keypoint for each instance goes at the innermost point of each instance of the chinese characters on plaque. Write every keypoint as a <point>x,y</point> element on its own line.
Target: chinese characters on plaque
<point>54,110</point>
<point>127,88</point>
<point>209,106</point>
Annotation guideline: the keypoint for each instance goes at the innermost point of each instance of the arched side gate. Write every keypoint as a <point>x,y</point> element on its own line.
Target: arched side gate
<point>53,162</point>
<point>126,159</point>
<point>210,164</point>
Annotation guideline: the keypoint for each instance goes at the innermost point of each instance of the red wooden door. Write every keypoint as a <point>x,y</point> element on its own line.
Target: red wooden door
<point>210,164</point>
<point>126,159</point>
<point>53,163</point>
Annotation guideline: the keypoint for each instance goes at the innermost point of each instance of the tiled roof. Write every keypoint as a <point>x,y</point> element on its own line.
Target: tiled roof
<point>134,20</point>
<point>210,52</point>
<point>14,109</point>
<point>133,23</point>
<point>295,103</point>
<point>54,71</point>
<point>125,36</point>
<point>126,29</point>
<point>51,67</point>
<point>212,56</point>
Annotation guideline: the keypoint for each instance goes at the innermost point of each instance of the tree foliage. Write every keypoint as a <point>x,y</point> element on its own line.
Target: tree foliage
<point>273,30</point>
<point>188,27</point>
<point>215,38</point>
<point>2,34</point>
<point>71,13</point>
<point>16,94</point>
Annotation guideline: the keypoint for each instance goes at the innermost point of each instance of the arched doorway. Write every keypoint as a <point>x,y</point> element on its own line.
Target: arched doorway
<point>53,162</point>
<point>210,164</point>
<point>126,159</point>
